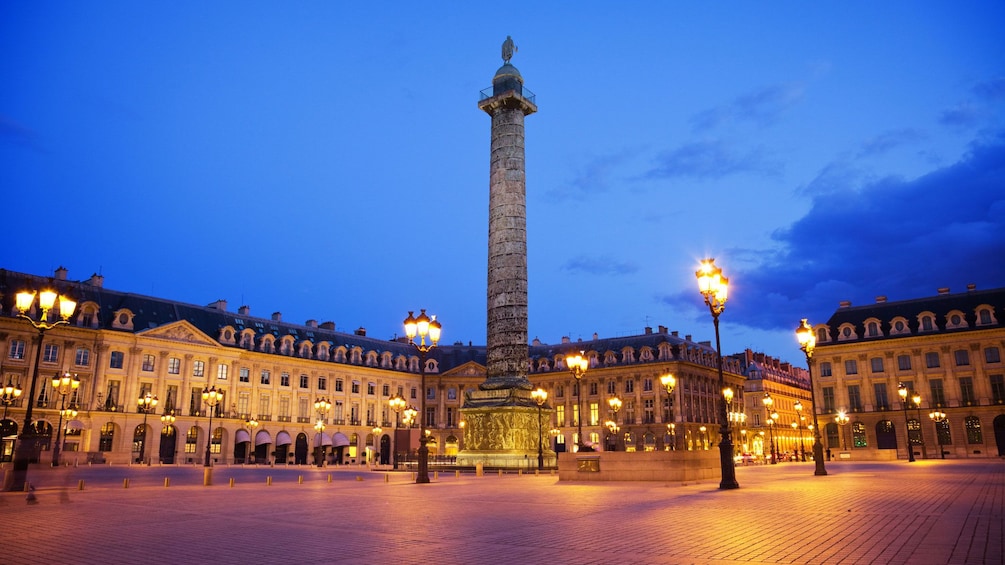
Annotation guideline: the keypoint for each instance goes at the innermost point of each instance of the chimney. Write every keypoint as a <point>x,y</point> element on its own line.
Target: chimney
<point>971,287</point>
<point>687,337</point>
<point>61,273</point>
<point>675,333</point>
<point>360,331</point>
<point>277,316</point>
<point>328,326</point>
<point>944,291</point>
<point>595,336</point>
<point>565,339</point>
<point>880,299</point>
<point>96,281</point>
<point>786,367</point>
<point>649,330</point>
<point>536,342</point>
<point>244,310</point>
<point>311,323</point>
<point>844,304</point>
<point>218,305</point>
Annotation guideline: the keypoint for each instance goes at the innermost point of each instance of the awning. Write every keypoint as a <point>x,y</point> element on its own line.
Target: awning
<point>262,438</point>
<point>283,438</point>
<point>74,425</point>
<point>322,439</point>
<point>242,436</point>
<point>339,440</point>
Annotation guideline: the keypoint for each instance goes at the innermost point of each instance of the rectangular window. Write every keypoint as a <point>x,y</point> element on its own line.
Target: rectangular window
<point>195,402</point>
<point>413,393</point>
<point>115,360</point>
<point>112,396</point>
<point>904,362</point>
<point>83,357</point>
<point>305,381</point>
<point>323,383</point>
<point>174,366</point>
<point>303,409</point>
<point>51,353</point>
<point>938,394</point>
<point>266,376</point>
<point>222,371</point>
<point>338,411</point>
<point>338,385</point>
<point>575,414</point>
<point>967,397</point>
<point>962,357</point>
<point>611,388</point>
<point>451,393</point>
<point>355,387</point>
<point>243,403</point>
<point>450,417</point>
<point>854,398</point>
<point>825,369</point>
<point>882,401</point>
<point>593,388</point>
<point>191,439</point>
<point>171,400</point>
<point>560,415</point>
<point>648,411</point>
<point>594,414</point>
<point>851,367</point>
<point>991,355</point>
<point>284,408</point>
<point>385,390</point>
<point>828,392</point>
<point>16,349</point>
<point>264,405</point>
<point>371,389</point>
<point>876,364</point>
<point>430,416</point>
<point>244,375</point>
<point>629,386</point>
<point>932,360</point>
<point>199,369</point>
<point>430,393</point>
<point>284,379</point>
<point>148,363</point>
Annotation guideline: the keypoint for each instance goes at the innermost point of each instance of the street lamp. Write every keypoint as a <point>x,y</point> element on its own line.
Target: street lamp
<point>249,455</point>
<point>62,385</point>
<point>540,396</point>
<point>842,420</point>
<point>669,382</point>
<point>615,404</point>
<point>422,326</point>
<point>145,404</point>
<point>321,406</point>
<point>377,430</point>
<point>902,392</point>
<point>397,404</point>
<point>578,364</point>
<point>24,301</point>
<point>211,397</point>
<point>916,399</point>
<point>807,342</point>
<point>9,396</point>
<point>938,417</point>
<point>714,288</point>
<point>772,420</point>
<point>768,403</point>
<point>798,406</point>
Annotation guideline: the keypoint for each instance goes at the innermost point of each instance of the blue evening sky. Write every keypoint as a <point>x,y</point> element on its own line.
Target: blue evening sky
<point>328,160</point>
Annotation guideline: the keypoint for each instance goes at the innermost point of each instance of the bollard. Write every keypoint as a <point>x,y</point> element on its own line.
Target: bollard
<point>300,479</point>
<point>479,469</point>
<point>80,484</point>
<point>536,472</point>
<point>519,472</point>
<point>387,478</point>
<point>329,477</point>
<point>167,482</point>
<point>232,482</point>
<point>359,478</point>
<point>436,475</point>
<point>500,472</point>
<point>207,477</point>
<point>125,483</point>
<point>268,481</point>
<point>457,474</point>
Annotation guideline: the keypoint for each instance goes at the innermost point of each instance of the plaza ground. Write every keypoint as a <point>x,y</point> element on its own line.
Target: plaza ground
<point>930,511</point>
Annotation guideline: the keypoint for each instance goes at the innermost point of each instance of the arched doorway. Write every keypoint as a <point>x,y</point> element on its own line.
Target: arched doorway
<point>611,443</point>
<point>999,425</point>
<point>242,446</point>
<point>263,444</point>
<point>8,435</point>
<point>385,449</point>
<point>169,439</point>
<point>300,450</point>
<point>886,435</point>
<point>283,442</point>
<point>340,444</point>
<point>43,440</point>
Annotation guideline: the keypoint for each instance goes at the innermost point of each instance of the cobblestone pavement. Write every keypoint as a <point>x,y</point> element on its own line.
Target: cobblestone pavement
<point>891,512</point>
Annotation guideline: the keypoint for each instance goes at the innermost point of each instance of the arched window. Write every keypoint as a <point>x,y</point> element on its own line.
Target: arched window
<point>107,436</point>
<point>945,436</point>
<point>191,439</point>
<point>914,431</point>
<point>833,439</point>
<point>973,427</point>
<point>858,435</point>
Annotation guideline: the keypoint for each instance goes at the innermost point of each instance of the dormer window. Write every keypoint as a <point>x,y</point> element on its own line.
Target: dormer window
<point>927,323</point>
<point>955,320</point>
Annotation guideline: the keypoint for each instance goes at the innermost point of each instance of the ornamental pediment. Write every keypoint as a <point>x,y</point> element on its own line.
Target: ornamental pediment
<point>469,369</point>
<point>179,331</point>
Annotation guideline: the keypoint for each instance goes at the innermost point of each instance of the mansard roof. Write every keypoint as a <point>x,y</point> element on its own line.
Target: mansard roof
<point>941,306</point>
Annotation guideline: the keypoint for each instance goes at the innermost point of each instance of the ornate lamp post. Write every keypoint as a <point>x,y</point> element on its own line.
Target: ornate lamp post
<point>422,326</point>
<point>614,403</point>
<point>397,403</point>
<point>249,455</point>
<point>211,397</point>
<point>807,342</point>
<point>772,419</point>
<point>377,430</point>
<point>842,420</point>
<point>916,399</point>
<point>145,404</point>
<point>768,403</point>
<point>321,406</point>
<point>714,288</point>
<point>167,420</point>
<point>702,430</point>
<point>9,395</point>
<point>578,364</point>
<point>938,417</point>
<point>62,385</point>
<point>24,301</point>
<point>798,424</point>
<point>540,396</point>
<point>902,392</point>
<point>669,382</point>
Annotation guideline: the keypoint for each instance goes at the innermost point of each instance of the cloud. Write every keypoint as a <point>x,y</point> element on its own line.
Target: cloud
<point>893,237</point>
<point>889,140</point>
<point>762,107</point>
<point>992,90</point>
<point>603,265</point>
<point>711,159</point>
<point>963,115</point>
<point>593,177</point>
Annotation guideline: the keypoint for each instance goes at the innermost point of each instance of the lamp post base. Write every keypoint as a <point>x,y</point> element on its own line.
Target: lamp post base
<point>422,476</point>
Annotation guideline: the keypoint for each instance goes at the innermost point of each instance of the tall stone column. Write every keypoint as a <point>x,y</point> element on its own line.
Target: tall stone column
<point>503,423</point>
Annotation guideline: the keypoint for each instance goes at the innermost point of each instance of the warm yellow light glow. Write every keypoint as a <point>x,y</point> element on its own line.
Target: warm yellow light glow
<point>66,307</point>
<point>539,395</point>
<point>578,363</point>
<point>669,382</point>
<point>422,323</point>
<point>434,331</point>
<point>798,406</point>
<point>727,393</point>
<point>24,301</point>
<point>615,404</point>
<point>767,400</point>
<point>47,299</point>
<point>902,391</point>
<point>807,340</point>
<point>916,399</point>
<point>410,326</point>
